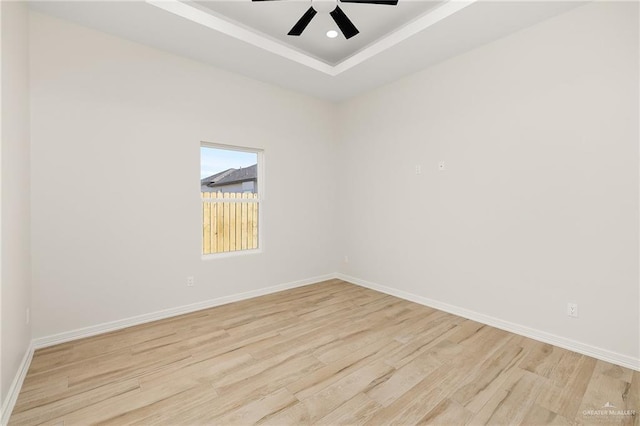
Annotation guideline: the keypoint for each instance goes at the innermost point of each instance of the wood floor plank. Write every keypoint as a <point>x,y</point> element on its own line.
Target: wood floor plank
<point>333,396</point>
<point>633,398</point>
<point>196,370</point>
<point>63,403</point>
<point>513,401</point>
<point>30,397</point>
<point>414,404</point>
<point>478,387</point>
<point>283,371</point>
<point>614,371</point>
<point>605,393</point>
<point>465,330</point>
<point>355,411</point>
<point>294,414</point>
<point>334,371</point>
<point>404,379</point>
<point>565,368</point>
<point>447,413</point>
<point>565,398</point>
<point>162,406</point>
<point>421,344</point>
<point>330,353</point>
<point>542,359</point>
<point>255,411</point>
<point>418,401</point>
<point>538,415</point>
<point>119,405</point>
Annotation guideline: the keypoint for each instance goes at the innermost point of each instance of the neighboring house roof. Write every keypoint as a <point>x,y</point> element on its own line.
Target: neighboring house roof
<point>214,178</point>
<point>231,176</point>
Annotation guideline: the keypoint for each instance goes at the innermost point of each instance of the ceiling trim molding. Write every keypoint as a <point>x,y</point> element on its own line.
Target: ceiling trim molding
<point>234,30</point>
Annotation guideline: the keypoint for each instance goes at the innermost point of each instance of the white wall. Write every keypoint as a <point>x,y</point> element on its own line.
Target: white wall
<point>15,288</point>
<point>538,205</point>
<point>116,132</point>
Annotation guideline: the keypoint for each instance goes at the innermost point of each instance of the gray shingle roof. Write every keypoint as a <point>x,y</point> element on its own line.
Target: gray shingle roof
<point>230,176</point>
<point>215,178</point>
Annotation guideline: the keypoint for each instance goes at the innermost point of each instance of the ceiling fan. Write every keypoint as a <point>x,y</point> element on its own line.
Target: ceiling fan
<point>331,6</point>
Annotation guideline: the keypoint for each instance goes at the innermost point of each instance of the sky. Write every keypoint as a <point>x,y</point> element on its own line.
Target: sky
<point>213,160</point>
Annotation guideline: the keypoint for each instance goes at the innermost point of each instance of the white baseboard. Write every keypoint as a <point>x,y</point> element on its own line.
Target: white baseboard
<point>93,330</point>
<point>16,385</point>
<point>542,336</point>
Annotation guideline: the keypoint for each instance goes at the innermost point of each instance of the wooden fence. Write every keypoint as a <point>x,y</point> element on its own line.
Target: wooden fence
<point>229,222</point>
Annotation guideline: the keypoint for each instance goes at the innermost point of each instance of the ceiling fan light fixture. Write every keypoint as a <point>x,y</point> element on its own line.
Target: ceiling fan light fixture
<point>332,34</point>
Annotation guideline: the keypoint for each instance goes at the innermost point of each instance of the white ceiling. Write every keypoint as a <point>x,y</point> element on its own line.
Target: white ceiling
<point>250,37</point>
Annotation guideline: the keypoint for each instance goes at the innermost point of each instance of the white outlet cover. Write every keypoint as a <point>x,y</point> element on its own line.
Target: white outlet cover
<point>441,165</point>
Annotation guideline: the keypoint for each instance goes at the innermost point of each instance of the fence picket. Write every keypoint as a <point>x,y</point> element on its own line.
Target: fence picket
<point>238,222</point>
<point>232,223</point>
<point>206,225</point>
<point>249,223</point>
<point>213,235</point>
<point>254,225</point>
<point>226,223</point>
<point>244,222</point>
<point>220,223</point>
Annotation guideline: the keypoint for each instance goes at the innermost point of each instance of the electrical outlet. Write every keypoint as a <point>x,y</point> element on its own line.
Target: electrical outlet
<point>441,166</point>
<point>190,282</point>
<point>418,169</point>
<point>572,310</point>
<point>28,316</point>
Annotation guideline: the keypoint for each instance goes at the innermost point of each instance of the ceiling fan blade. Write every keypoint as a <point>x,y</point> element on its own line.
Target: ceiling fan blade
<point>345,25</point>
<point>302,23</point>
<point>387,2</point>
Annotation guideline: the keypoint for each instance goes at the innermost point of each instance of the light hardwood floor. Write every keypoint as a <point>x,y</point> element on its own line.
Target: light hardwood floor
<point>329,353</point>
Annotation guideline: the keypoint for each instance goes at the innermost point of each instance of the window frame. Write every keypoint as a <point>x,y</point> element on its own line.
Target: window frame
<point>259,201</point>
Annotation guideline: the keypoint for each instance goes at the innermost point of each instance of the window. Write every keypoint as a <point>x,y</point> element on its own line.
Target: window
<point>230,188</point>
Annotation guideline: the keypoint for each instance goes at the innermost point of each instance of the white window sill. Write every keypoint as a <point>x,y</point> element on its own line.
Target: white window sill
<point>214,256</point>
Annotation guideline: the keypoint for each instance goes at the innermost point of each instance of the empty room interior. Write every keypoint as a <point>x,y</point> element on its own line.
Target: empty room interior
<point>330,212</point>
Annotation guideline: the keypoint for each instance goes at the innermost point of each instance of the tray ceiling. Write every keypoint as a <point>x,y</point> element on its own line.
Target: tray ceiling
<point>250,38</point>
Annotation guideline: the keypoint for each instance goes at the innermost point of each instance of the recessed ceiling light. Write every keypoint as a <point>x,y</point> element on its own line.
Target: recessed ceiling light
<point>332,34</point>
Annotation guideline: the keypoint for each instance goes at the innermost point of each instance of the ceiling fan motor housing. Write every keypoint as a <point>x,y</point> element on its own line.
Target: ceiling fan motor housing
<point>324,6</point>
